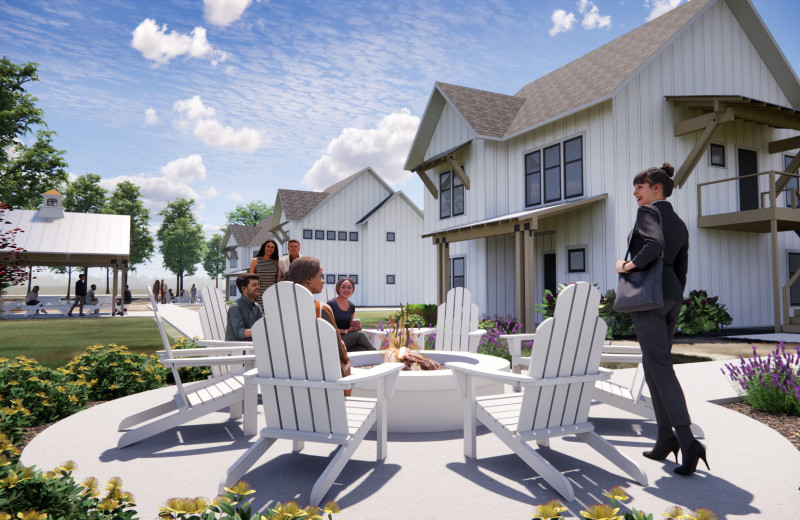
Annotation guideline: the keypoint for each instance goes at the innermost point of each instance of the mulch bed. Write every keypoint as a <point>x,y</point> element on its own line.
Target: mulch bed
<point>786,425</point>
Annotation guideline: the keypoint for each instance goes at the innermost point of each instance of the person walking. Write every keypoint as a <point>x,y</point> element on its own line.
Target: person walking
<point>659,231</point>
<point>163,291</point>
<point>80,295</point>
<point>157,290</point>
<point>193,293</point>
<point>265,265</point>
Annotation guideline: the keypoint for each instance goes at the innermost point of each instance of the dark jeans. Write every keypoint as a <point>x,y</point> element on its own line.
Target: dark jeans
<point>357,341</point>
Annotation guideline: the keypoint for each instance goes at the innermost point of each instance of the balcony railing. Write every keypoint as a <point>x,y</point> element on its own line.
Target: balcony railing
<point>726,194</point>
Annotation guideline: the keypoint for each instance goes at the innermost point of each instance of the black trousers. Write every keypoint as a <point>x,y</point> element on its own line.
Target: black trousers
<point>654,330</point>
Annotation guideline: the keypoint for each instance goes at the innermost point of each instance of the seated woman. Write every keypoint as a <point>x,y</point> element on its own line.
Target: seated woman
<point>343,311</point>
<point>307,272</point>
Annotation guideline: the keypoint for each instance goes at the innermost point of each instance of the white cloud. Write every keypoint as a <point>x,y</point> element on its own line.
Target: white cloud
<point>210,193</point>
<point>157,45</point>
<point>234,196</point>
<point>224,12</point>
<point>171,184</point>
<point>150,116</point>
<point>562,22</point>
<point>591,16</point>
<point>659,7</point>
<point>383,148</point>
<point>214,133</point>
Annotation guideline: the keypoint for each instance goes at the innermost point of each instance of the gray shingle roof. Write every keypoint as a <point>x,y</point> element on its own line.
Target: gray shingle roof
<point>581,82</point>
<point>297,203</point>
<point>252,235</point>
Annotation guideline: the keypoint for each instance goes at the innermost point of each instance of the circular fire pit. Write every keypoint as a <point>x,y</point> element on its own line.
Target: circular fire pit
<point>427,401</point>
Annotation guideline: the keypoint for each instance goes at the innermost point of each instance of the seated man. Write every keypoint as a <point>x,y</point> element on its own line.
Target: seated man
<point>244,311</point>
<point>127,299</point>
<point>90,296</point>
<point>33,297</point>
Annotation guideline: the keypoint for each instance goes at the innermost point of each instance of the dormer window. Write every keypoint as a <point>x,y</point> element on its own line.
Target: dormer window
<point>52,202</point>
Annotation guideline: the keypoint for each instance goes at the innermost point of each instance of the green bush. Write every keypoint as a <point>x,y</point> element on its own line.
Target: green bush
<point>428,312</point>
<point>189,374</point>
<point>701,314</point>
<point>619,323</point>
<point>413,321</point>
<point>112,372</point>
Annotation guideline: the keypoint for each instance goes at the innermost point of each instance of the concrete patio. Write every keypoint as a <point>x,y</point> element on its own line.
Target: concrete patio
<point>754,470</point>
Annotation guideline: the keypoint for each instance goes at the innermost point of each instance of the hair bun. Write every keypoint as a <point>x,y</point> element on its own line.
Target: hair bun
<point>668,168</point>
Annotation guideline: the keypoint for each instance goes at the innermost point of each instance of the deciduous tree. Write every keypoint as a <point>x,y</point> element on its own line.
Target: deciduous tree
<point>214,260</point>
<point>12,272</point>
<point>249,214</point>
<point>181,239</point>
<point>126,199</point>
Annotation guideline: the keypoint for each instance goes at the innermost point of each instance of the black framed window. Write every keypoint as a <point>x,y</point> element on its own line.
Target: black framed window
<point>330,279</point>
<point>533,178</point>
<point>354,277</point>
<point>308,234</point>
<point>319,234</point>
<point>343,235</point>
<point>389,279</point>
<point>573,167</point>
<point>552,173</point>
<point>458,196</point>
<point>457,275</point>
<point>792,195</point>
<point>331,235</point>
<point>576,260</point>
<point>354,236</point>
<point>716,154</point>
<point>445,195</point>
<point>390,236</point>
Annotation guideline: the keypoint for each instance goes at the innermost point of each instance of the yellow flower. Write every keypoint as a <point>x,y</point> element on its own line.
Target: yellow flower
<point>27,474</point>
<point>10,481</point>
<point>13,382</point>
<point>4,461</point>
<point>702,513</point>
<point>601,512</point>
<point>5,516</point>
<point>241,488</point>
<point>113,483</point>
<point>173,505</point>
<point>61,389</point>
<point>32,515</point>
<point>675,513</point>
<point>331,508</point>
<point>552,509</point>
<point>67,466</point>
<point>108,505</point>
<point>113,387</point>
<point>617,493</point>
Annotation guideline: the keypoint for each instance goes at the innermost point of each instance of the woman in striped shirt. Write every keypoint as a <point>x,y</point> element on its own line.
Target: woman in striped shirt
<point>265,265</point>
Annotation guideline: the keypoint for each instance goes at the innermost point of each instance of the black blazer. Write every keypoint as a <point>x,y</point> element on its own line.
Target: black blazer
<point>648,239</point>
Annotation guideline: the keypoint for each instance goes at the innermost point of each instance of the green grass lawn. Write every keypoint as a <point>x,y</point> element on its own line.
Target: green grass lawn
<point>54,342</point>
<point>371,319</point>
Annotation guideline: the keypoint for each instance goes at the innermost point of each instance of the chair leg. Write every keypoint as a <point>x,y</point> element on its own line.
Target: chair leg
<point>328,477</point>
<point>634,469</point>
<point>244,463</point>
<point>297,446</point>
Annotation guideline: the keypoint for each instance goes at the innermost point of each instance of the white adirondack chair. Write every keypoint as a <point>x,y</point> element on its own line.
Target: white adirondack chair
<point>213,314</point>
<point>195,399</point>
<point>297,366</point>
<point>558,390</point>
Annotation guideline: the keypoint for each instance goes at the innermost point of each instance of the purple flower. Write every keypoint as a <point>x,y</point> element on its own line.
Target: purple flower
<point>686,301</point>
<point>549,297</point>
<point>703,301</point>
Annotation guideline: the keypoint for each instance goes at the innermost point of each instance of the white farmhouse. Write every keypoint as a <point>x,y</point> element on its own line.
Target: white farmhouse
<point>528,190</point>
<point>361,228</point>
<point>240,244</point>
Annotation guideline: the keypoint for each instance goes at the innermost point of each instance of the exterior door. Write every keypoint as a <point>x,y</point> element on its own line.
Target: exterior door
<point>748,188</point>
<point>550,272</point>
<point>794,290</point>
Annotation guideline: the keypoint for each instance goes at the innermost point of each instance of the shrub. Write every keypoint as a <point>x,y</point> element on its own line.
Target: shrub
<point>189,374</point>
<point>700,314</point>
<point>619,323</point>
<point>495,325</point>
<point>32,394</point>
<point>111,372</point>
<point>428,312</point>
<point>771,385</point>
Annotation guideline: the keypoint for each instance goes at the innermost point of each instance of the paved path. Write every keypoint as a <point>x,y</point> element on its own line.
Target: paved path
<point>755,472</point>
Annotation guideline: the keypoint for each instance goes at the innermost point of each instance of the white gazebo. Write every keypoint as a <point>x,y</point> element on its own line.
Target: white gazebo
<point>51,236</point>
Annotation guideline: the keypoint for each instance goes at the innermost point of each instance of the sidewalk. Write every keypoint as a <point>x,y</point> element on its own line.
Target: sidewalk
<point>754,470</point>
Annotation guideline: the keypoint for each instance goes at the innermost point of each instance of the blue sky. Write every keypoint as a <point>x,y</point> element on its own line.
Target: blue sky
<point>226,101</point>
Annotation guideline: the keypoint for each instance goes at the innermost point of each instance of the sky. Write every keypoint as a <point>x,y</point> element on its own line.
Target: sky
<point>227,101</point>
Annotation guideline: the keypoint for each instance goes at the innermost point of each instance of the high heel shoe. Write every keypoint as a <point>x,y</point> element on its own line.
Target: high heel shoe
<point>696,452</point>
<point>661,452</point>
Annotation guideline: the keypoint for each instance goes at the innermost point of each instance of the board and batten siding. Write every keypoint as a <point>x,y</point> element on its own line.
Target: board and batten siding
<point>711,57</point>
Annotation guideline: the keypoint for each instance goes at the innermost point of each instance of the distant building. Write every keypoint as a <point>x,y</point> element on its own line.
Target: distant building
<point>240,244</point>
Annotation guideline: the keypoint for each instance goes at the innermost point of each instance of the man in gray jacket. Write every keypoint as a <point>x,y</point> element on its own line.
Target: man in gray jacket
<point>244,311</point>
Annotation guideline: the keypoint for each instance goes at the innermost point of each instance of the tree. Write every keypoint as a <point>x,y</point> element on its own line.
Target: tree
<point>127,200</point>
<point>181,239</point>
<point>12,272</point>
<point>249,214</point>
<point>85,195</point>
<point>214,260</point>
<point>27,170</point>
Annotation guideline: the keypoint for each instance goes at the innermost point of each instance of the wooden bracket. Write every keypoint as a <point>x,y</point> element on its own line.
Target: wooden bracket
<point>428,183</point>
<point>459,171</point>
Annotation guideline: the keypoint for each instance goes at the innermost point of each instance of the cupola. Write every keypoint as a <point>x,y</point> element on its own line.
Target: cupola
<point>52,205</point>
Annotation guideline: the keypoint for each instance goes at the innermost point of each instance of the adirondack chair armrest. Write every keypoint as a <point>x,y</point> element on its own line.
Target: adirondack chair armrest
<point>377,372</point>
<point>235,346</point>
<point>208,361</point>
<point>477,333</point>
<point>521,380</point>
<point>514,342</point>
<point>207,351</point>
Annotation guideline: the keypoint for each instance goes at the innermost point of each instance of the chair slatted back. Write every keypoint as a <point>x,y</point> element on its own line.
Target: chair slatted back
<point>456,318</point>
<point>213,314</point>
<point>292,344</point>
<point>568,344</point>
<point>165,341</point>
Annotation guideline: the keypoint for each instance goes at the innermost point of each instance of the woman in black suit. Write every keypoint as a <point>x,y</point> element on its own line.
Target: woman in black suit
<point>654,329</point>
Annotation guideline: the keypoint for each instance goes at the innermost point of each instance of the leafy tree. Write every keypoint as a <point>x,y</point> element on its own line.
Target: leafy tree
<point>27,170</point>
<point>12,272</point>
<point>85,195</point>
<point>249,214</point>
<point>127,200</point>
<point>181,239</point>
<point>214,260</point>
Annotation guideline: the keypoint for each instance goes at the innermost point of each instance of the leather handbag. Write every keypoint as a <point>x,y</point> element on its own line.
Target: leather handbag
<point>641,289</point>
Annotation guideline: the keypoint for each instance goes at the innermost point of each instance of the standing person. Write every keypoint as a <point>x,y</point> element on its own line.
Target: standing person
<point>343,310</point>
<point>33,298</point>
<point>286,261</point>
<point>648,240</point>
<point>193,293</point>
<point>80,294</point>
<point>265,265</point>
<point>244,312</point>
<point>163,291</point>
<point>157,290</point>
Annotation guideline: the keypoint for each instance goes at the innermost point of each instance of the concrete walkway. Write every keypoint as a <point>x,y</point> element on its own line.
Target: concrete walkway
<point>754,470</point>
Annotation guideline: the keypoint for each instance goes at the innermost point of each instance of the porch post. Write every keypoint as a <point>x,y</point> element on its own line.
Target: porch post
<point>529,319</point>
<point>519,275</point>
<point>114,289</point>
<point>442,270</point>
<point>776,291</point>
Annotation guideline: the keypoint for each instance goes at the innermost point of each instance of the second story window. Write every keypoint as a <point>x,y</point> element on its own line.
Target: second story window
<point>319,234</point>
<point>390,236</point>
<point>234,261</point>
<point>308,234</point>
<point>552,173</point>
<point>451,195</point>
<point>573,167</point>
<point>551,176</point>
<point>533,178</point>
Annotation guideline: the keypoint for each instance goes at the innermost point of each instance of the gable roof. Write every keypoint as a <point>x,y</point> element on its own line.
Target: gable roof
<point>247,236</point>
<point>385,202</point>
<point>590,79</point>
